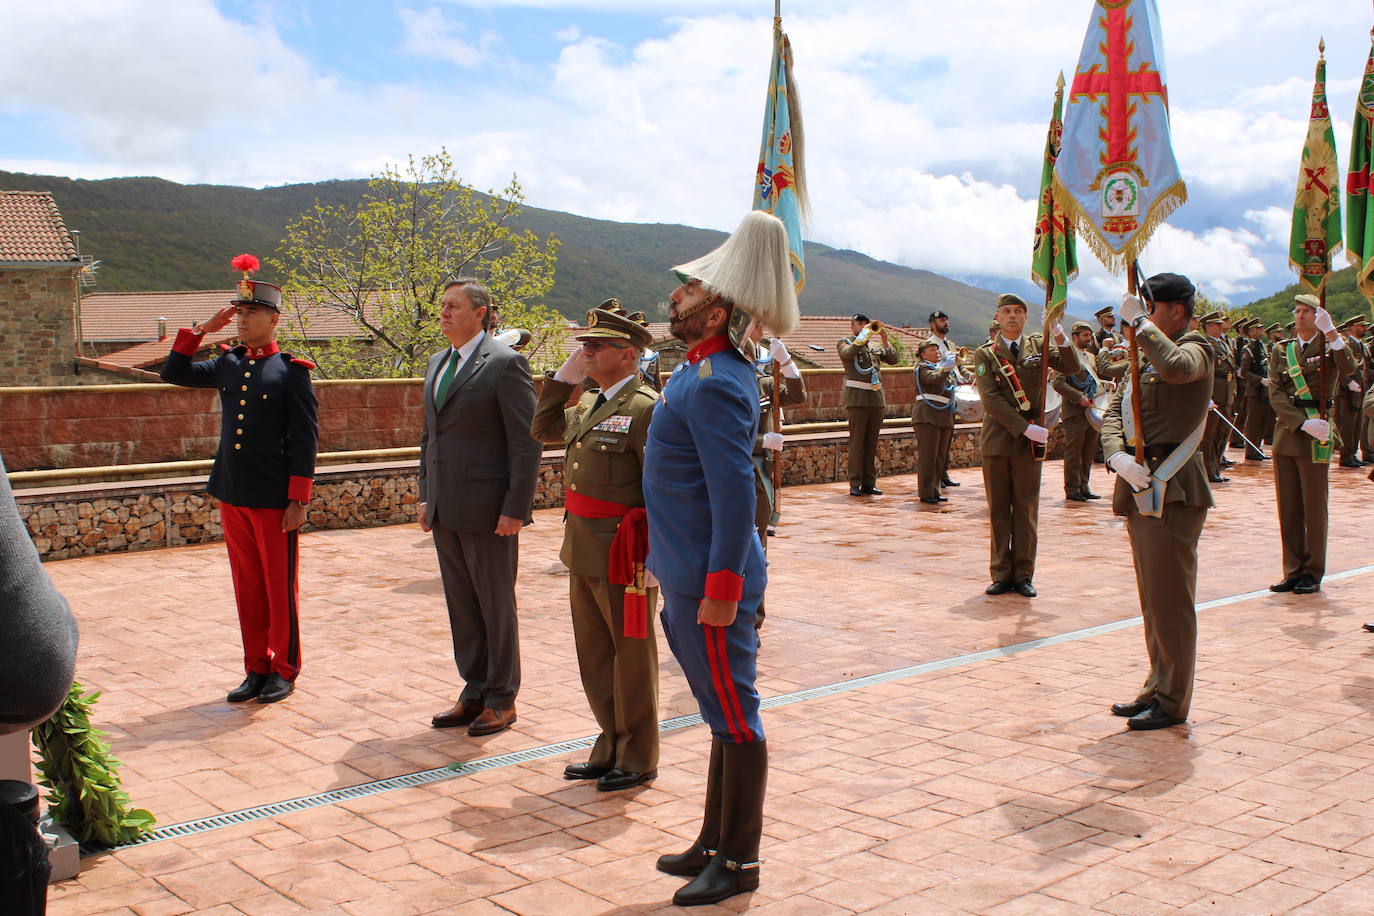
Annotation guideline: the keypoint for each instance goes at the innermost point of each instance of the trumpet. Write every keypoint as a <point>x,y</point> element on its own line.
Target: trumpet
<point>876,326</point>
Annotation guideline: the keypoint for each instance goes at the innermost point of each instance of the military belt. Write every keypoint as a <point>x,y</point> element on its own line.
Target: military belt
<point>1311,402</point>
<point>1156,451</point>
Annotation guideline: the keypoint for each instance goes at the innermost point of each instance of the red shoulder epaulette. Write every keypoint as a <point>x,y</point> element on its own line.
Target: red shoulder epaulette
<point>301,362</point>
<point>225,347</point>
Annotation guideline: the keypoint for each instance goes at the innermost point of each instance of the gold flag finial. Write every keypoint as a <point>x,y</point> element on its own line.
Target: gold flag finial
<point>1321,47</point>
<point>1059,83</point>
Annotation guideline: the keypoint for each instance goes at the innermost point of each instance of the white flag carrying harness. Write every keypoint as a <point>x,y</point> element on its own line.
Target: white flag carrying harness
<point>1150,501</point>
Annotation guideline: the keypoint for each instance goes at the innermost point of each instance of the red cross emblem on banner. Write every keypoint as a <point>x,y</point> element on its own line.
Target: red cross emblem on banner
<point>1119,86</point>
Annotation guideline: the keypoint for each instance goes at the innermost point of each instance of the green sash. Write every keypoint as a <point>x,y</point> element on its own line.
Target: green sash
<point>1321,451</point>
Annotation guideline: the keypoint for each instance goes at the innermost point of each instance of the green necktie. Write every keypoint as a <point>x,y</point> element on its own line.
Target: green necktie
<point>447,381</point>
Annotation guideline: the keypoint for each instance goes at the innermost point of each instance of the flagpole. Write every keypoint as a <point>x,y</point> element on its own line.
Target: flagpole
<point>1321,296</point>
<point>1137,413</point>
<point>1041,452</point>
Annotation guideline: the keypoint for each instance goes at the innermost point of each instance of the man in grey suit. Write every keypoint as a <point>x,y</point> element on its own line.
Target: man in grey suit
<point>478,465</point>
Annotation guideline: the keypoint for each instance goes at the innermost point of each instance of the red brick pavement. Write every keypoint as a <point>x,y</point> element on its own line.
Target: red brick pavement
<point>996,786</point>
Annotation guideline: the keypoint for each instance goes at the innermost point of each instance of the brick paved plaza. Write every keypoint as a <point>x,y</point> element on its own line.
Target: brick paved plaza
<point>997,783</point>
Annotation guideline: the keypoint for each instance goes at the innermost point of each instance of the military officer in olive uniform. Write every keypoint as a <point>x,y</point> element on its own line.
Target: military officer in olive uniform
<point>1009,371</point>
<point>1080,438</point>
<point>1253,372</point>
<point>768,442</point>
<point>1214,441</point>
<point>863,400</point>
<point>1304,441</point>
<point>932,416</point>
<point>1165,501</point>
<point>605,539</point>
<point>1349,396</point>
<point>1106,321</point>
<point>263,474</point>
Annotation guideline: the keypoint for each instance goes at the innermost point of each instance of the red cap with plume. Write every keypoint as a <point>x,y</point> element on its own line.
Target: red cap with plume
<point>246,263</point>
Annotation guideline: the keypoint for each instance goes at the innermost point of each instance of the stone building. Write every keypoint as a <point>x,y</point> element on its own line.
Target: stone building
<point>39,274</point>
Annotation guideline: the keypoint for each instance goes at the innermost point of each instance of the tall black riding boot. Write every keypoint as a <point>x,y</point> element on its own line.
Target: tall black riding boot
<point>734,869</point>
<point>691,863</point>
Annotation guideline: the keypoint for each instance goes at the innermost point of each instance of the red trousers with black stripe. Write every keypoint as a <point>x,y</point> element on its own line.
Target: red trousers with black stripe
<point>721,664</point>
<point>262,561</point>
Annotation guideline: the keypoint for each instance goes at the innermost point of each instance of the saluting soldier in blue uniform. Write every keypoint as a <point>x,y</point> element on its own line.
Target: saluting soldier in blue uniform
<point>703,549</point>
<point>262,476</point>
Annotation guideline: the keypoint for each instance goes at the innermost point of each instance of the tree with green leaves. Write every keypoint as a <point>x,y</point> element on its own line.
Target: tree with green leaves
<point>382,264</point>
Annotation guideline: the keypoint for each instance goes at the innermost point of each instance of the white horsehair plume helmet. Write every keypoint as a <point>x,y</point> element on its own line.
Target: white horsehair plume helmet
<point>752,269</point>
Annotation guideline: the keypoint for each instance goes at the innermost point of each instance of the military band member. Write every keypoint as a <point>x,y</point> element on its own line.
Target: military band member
<point>1214,441</point>
<point>768,442</point>
<point>862,354</point>
<point>1303,442</point>
<point>1113,360</point>
<point>1009,373</point>
<point>1106,327</point>
<point>932,416</point>
<point>1349,396</point>
<point>605,539</point>
<point>1164,502</point>
<point>699,491</point>
<point>1253,371</point>
<point>1080,438</point>
<point>939,333</point>
<point>262,476</point>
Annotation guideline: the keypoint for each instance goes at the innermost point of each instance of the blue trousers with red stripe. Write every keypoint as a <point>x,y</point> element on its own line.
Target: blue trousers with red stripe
<point>720,663</point>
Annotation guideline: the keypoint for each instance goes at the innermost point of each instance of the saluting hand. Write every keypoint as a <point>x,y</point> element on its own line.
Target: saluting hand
<point>222,318</point>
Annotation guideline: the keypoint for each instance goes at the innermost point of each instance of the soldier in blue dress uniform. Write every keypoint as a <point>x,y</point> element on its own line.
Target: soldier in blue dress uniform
<point>262,475</point>
<point>703,549</point>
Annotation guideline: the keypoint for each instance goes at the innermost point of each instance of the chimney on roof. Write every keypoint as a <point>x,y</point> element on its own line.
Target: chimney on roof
<point>162,329</point>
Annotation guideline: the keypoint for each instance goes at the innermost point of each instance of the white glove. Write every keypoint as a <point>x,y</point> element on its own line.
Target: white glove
<point>1057,332</point>
<point>1037,434</point>
<point>574,368</point>
<point>947,361</point>
<point>779,352</point>
<point>773,441</point>
<point>1355,386</point>
<point>1324,322</point>
<point>1317,429</point>
<point>1264,382</point>
<point>1131,309</point>
<point>1137,476</point>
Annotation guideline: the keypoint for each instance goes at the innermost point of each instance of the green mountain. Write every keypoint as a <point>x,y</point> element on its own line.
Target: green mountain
<point>151,234</point>
<point>1342,300</point>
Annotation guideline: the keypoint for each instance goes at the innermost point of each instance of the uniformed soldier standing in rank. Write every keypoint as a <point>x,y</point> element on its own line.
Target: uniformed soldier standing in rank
<point>1106,321</point>
<point>1349,396</point>
<point>1009,373</point>
<point>768,443</point>
<point>699,491</point>
<point>1165,502</point>
<point>1214,441</point>
<point>262,476</point>
<point>1080,438</point>
<point>1303,442</point>
<point>932,417</point>
<point>863,399</point>
<point>605,540</point>
<point>1240,401</point>
<point>1253,372</point>
<point>938,322</point>
<point>1359,331</point>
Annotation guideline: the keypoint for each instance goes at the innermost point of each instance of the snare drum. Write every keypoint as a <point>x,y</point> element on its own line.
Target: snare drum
<point>968,406</point>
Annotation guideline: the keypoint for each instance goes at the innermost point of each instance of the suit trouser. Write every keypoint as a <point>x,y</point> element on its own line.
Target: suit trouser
<point>932,457</point>
<point>478,570</point>
<point>1347,423</point>
<point>1259,423</point>
<point>619,674</point>
<point>1012,485</point>
<point>263,563</point>
<point>1080,448</point>
<point>1302,487</point>
<point>865,423</point>
<point>1165,555</point>
<point>720,663</point>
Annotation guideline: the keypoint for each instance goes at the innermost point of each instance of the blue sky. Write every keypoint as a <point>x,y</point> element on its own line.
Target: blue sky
<point>925,120</point>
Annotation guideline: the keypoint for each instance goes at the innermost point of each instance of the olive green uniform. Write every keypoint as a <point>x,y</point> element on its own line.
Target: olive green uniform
<point>793,393</point>
<point>933,423</point>
<point>1302,485</point>
<point>1176,384</point>
<point>1011,475</point>
<point>864,404</point>
<point>604,461</point>
<point>1080,439</point>
<point>1254,374</point>
<point>1218,433</point>
<point>1347,413</point>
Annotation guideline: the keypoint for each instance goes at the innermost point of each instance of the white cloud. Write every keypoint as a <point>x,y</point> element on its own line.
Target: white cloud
<point>431,33</point>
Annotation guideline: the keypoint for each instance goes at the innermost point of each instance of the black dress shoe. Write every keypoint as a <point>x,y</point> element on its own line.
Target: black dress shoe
<point>1076,497</point>
<point>1306,586</point>
<point>1089,494</point>
<point>946,482</point>
<point>1351,463</point>
<point>1152,718</point>
<point>585,771</point>
<point>1286,585</point>
<point>252,686</point>
<point>1216,478</point>
<point>1369,627</point>
<point>687,864</point>
<point>870,491</point>
<point>616,780</point>
<point>719,880</point>
<point>998,588</point>
<point>1130,709</point>
<point>942,499</point>
<point>855,491</point>
<point>1025,588</point>
<point>1227,463</point>
<point>931,500</point>
<point>276,688</point>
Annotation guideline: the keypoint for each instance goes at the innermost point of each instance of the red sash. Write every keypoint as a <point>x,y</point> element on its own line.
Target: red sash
<point>629,550</point>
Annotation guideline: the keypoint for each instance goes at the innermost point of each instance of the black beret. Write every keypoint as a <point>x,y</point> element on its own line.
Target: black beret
<point>934,315</point>
<point>1169,288</point>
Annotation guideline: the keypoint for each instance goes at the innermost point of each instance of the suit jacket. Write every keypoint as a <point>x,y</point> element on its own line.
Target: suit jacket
<point>478,460</point>
<point>1003,421</point>
<point>1176,379</point>
<point>1288,438</point>
<point>859,362</point>
<point>605,460</point>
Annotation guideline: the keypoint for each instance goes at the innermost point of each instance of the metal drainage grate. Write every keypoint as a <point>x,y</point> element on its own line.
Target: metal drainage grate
<point>467,768</point>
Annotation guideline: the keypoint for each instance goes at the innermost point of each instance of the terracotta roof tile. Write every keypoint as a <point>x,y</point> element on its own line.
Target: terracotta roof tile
<point>133,316</point>
<point>31,228</point>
